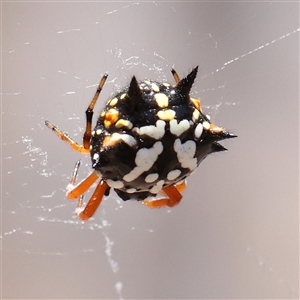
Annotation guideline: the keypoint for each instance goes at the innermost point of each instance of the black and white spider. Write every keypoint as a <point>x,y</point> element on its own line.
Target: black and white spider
<point>148,139</point>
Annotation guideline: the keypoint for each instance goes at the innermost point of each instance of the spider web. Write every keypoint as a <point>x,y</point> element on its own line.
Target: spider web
<point>53,55</point>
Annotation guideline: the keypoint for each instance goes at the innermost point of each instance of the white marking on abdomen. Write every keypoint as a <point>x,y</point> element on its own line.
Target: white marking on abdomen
<point>151,177</point>
<point>185,153</point>
<point>206,125</point>
<point>128,139</point>
<point>178,128</point>
<point>95,156</point>
<point>158,186</point>
<point>131,191</point>
<point>198,130</point>
<point>173,174</point>
<point>115,184</point>
<point>144,160</point>
<point>156,132</point>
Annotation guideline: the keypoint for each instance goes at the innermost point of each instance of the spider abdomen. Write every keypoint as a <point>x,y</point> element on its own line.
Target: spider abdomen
<point>152,135</point>
<point>149,137</point>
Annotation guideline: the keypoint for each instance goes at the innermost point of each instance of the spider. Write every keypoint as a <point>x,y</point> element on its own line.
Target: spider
<point>148,138</point>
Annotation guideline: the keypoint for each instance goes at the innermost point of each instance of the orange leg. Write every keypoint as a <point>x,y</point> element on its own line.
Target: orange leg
<point>181,186</point>
<point>175,75</point>
<point>85,148</point>
<point>75,192</point>
<point>89,114</point>
<point>94,202</point>
<point>66,138</point>
<point>174,197</point>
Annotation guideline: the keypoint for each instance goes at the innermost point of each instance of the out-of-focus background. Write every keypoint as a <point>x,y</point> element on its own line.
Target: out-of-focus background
<point>235,234</point>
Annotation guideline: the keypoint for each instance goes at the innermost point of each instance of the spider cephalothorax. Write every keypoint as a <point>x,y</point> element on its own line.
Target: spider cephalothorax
<point>147,140</point>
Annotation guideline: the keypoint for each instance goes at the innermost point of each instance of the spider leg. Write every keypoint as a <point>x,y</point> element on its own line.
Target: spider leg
<point>181,186</point>
<point>75,172</point>
<point>64,136</point>
<point>173,194</point>
<point>89,114</point>
<point>175,75</point>
<point>85,148</point>
<point>84,213</point>
<point>76,191</point>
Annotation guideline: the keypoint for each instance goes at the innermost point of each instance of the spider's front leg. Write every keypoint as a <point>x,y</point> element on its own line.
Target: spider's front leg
<point>89,114</point>
<point>64,136</point>
<point>174,196</point>
<point>74,192</point>
<point>85,148</point>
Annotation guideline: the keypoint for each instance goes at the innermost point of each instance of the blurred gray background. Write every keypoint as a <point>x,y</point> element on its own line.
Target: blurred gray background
<point>235,234</point>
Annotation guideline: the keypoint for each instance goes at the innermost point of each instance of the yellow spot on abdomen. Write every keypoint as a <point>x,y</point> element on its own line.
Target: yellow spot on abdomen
<point>206,125</point>
<point>123,96</point>
<point>166,114</point>
<point>196,115</point>
<point>111,117</point>
<point>162,100</point>
<point>155,87</point>
<point>124,124</point>
<point>113,102</point>
<point>111,140</point>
